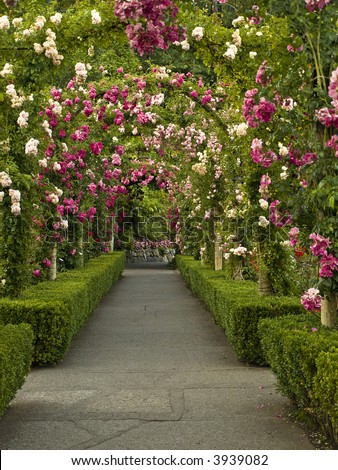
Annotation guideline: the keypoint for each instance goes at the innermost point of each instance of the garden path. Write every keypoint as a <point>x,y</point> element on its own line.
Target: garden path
<point>150,370</point>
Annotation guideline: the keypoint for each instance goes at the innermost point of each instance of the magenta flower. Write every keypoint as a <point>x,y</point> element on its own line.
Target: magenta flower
<point>36,273</point>
<point>293,235</point>
<point>261,77</point>
<point>96,147</point>
<point>319,245</point>
<point>313,5</point>
<point>328,264</point>
<point>311,299</point>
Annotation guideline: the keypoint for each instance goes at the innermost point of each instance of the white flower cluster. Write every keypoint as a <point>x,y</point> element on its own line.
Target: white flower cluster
<point>43,163</point>
<point>49,48</point>
<point>31,147</point>
<point>239,195</point>
<point>23,119</point>
<point>16,100</point>
<point>283,151</point>
<point>237,38</point>
<point>197,33</point>
<point>239,251</point>
<point>239,129</point>
<point>56,19</point>
<point>7,70</point>
<point>263,221</point>
<point>238,20</point>
<point>17,22</point>
<point>199,168</point>
<point>47,128</point>
<point>96,18</point>
<point>5,179</point>
<point>15,196</point>
<point>264,204</point>
<point>4,22</point>
<point>81,72</point>
<point>162,73</point>
<point>53,198</point>
<point>288,104</point>
<point>157,99</point>
<point>231,52</point>
<point>56,106</point>
<point>252,54</point>
<point>284,174</point>
<point>39,23</point>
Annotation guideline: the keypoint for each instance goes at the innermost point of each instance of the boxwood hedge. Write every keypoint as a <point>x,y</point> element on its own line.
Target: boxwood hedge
<point>304,356</point>
<point>16,351</point>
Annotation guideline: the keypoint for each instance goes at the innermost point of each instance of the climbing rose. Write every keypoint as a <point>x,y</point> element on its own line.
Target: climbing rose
<point>313,5</point>
<point>311,299</point>
<point>319,245</point>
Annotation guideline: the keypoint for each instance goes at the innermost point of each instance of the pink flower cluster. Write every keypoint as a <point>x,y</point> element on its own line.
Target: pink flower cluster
<point>301,160</point>
<point>311,299</point>
<point>333,144</point>
<point>264,184</point>
<point>146,243</point>
<point>319,244</point>
<point>313,5</point>
<point>152,23</point>
<point>262,76</point>
<point>328,263</point>
<point>293,236</point>
<point>333,87</point>
<point>265,159</point>
<point>278,219</point>
<point>328,117</point>
<point>256,113</point>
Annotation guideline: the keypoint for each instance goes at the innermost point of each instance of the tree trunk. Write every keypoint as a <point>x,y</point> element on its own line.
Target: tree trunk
<point>218,254</point>
<point>80,262</point>
<point>328,310</point>
<point>264,283</point>
<point>52,268</point>
<point>112,240</point>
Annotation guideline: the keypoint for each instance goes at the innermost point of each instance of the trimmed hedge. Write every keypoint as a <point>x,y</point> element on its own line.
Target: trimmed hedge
<point>236,306</point>
<point>306,365</point>
<point>16,351</point>
<point>58,309</point>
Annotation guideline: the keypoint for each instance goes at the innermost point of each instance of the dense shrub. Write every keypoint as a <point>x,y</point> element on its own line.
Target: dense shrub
<point>236,306</point>
<point>58,309</point>
<point>303,354</point>
<point>325,392</point>
<point>16,351</point>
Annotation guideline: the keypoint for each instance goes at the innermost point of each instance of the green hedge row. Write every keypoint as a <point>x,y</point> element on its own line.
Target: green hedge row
<point>236,306</point>
<point>304,356</point>
<point>57,310</point>
<point>16,351</point>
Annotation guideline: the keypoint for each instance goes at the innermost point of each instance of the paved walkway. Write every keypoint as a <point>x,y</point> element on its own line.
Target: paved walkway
<point>150,370</point>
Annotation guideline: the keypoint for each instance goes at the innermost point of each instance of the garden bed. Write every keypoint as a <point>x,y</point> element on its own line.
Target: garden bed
<point>236,306</point>
<point>16,351</point>
<point>58,309</point>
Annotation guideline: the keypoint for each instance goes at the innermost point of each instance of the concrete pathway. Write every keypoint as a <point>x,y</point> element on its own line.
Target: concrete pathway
<point>150,370</point>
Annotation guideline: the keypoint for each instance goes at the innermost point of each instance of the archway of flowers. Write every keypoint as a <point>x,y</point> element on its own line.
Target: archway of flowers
<point>247,159</point>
